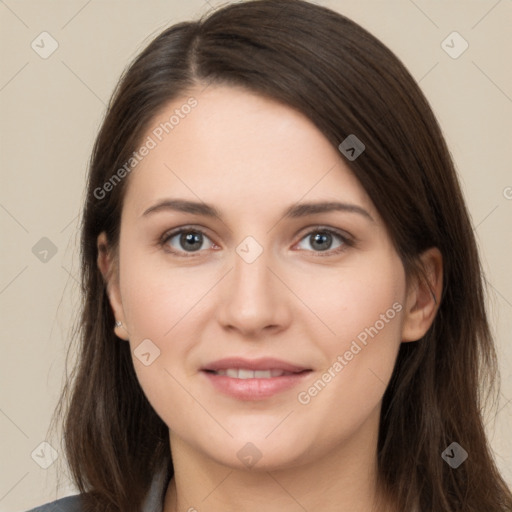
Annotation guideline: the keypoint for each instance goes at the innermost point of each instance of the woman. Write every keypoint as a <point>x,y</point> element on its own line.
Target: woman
<point>283,306</point>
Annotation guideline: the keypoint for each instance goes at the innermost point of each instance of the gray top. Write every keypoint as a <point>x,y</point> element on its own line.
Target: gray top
<point>152,503</point>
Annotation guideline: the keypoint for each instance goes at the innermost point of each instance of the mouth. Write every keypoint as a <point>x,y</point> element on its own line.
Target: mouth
<point>245,379</point>
<point>244,373</point>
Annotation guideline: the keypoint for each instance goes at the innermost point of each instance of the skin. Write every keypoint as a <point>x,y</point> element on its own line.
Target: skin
<point>251,157</point>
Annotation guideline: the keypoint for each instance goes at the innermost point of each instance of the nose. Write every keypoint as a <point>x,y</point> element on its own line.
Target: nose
<point>254,301</point>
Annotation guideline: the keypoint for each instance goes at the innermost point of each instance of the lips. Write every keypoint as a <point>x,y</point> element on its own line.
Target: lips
<point>254,379</point>
<point>265,364</point>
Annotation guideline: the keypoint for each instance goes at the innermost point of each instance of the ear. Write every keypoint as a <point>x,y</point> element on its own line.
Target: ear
<point>107,266</point>
<point>423,296</point>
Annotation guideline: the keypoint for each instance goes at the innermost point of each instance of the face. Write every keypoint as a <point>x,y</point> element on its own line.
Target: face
<point>270,322</point>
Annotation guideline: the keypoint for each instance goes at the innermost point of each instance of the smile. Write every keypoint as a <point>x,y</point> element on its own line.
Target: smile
<point>252,387</point>
<point>243,373</point>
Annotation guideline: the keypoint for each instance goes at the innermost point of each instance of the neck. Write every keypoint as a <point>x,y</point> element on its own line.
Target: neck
<point>343,480</point>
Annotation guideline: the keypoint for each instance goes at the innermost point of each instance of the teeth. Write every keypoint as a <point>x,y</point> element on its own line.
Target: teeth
<point>262,374</point>
<point>245,374</point>
<point>242,373</point>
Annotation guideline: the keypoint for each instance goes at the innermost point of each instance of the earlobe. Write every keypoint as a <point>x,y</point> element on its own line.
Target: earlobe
<point>423,297</point>
<point>106,265</point>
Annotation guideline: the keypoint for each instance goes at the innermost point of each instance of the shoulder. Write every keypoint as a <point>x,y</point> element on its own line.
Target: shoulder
<point>68,504</point>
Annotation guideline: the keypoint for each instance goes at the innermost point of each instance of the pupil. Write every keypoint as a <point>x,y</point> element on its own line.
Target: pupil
<point>191,238</point>
<point>319,238</point>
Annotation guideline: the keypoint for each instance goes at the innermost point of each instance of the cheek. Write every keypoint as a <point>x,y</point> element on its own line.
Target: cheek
<point>360,333</point>
<point>157,297</point>
<point>364,308</point>
<point>355,300</point>
<point>161,305</point>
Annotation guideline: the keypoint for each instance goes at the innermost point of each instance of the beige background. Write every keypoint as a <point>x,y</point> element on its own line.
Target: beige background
<point>52,108</point>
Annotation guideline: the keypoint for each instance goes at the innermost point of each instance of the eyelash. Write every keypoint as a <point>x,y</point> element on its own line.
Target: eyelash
<point>345,239</point>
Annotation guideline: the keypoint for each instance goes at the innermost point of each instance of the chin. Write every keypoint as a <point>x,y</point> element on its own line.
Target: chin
<point>255,450</point>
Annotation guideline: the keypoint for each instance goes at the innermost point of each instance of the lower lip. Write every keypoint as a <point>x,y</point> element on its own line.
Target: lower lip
<point>254,389</point>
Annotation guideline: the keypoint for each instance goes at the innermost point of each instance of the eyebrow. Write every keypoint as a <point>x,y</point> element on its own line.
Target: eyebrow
<point>293,212</point>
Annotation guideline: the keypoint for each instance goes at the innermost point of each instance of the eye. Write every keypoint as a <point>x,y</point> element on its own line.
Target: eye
<point>321,240</point>
<point>185,240</point>
<point>188,241</point>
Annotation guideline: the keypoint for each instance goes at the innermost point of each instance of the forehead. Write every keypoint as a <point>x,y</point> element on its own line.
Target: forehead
<point>241,151</point>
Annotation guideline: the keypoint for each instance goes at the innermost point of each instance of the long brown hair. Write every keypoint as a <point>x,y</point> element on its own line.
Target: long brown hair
<point>346,82</point>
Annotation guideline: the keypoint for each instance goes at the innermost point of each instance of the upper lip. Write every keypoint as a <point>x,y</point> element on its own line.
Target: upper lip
<point>263,363</point>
